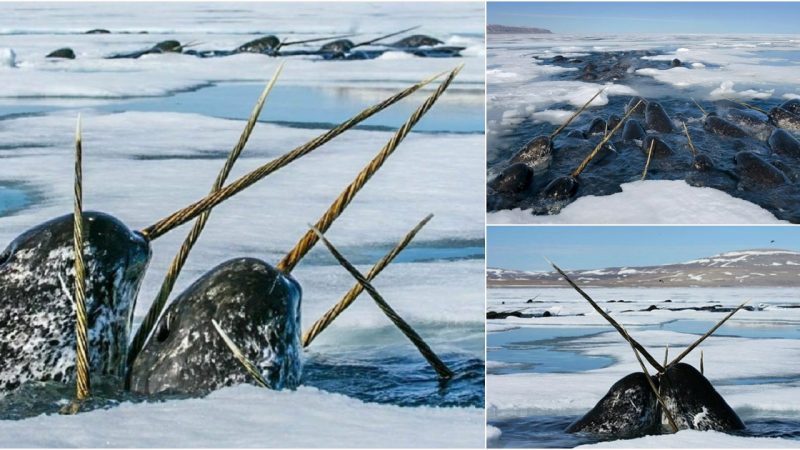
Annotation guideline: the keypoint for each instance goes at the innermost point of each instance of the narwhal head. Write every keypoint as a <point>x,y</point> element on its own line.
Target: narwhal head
<point>257,306</point>
<point>37,314</point>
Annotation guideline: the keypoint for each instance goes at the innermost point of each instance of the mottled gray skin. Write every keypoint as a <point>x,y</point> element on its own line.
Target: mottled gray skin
<point>629,409</point>
<point>514,179</point>
<point>640,110</point>
<point>793,106</point>
<point>598,126</point>
<point>702,163</point>
<point>755,172</point>
<point>416,41</point>
<point>660,150</point>
<point>537,153</point>
<point>338,46</point>
<point>721,127</point>
<point>657,119</point>
<point>613,121</point>
<point>256,305</point>
<point>168,46</point>
<point>784,119</point>
<point>576,134</point>
<point>63,53</point>
<point>755,122</point>
<point>266,44</point>
<point>37,315</point>
<point>562,188</point>
<point>633,131</point>
<point>783,143</point>
<point>694,403</point>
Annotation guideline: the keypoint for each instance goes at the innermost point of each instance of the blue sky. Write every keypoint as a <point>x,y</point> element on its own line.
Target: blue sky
<point>524,248</point>
<point>650,17</point>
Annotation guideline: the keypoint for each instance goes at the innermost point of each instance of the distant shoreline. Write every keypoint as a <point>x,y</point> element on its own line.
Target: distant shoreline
<point>506,29</point>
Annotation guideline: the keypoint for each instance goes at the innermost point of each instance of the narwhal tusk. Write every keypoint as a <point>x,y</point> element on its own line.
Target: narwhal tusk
<point>237,353</point>
<point>331,315</point>
<point>701,362</point>
<point>83,386</point>
<point>605,139</point>
<point>689,140</point>
<point>575,114</point>
<point>649,155</point>
<point>610,320</point>
<point>179,260</point>
<point>188,213</point>
<point>650,382</point>
<point>703,337</point>
<point>338,206</point>
<point>435,362</point>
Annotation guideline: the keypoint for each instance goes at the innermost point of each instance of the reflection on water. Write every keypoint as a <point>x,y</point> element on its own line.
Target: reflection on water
<point>13,198</point>
<point>541,350</point>
<point>314,107</point>
<point>731,329</point>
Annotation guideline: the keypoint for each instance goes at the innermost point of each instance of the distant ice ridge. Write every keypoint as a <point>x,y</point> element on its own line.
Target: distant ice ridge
<point>649,201</point>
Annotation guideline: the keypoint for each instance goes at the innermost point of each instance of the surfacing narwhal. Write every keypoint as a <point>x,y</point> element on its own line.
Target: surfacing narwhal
<point>677,397</point>
<point>255,302</point>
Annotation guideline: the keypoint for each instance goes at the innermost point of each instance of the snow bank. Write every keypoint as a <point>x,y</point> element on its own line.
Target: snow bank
<point>696,439</point>
<point>492,433</point>
<point>726,90</point>
<point>651,202</point>
<point>248,416</point>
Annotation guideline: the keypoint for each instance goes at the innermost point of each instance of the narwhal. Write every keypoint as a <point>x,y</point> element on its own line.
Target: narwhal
<point>677,397</point>
<point>256,303</point>
<point>37,319</point>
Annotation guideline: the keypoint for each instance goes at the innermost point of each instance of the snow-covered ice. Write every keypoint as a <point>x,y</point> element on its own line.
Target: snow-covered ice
<point>247,416</point>
<point>650,201</point>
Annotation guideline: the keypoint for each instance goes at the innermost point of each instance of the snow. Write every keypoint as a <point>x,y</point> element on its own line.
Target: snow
<point>726,90</point>
<point>492,433</point>
<point>650,201</point>
<point>248,416</point>
<point>697,439</point>
<point>7,58</point>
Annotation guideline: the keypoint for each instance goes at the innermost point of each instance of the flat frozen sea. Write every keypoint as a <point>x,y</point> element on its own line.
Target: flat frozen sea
<point>156,131</point>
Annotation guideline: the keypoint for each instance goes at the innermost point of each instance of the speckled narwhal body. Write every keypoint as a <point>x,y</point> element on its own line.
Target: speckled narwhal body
<point>37,315</point>
<point>630,408</point>
<point>259,308</point>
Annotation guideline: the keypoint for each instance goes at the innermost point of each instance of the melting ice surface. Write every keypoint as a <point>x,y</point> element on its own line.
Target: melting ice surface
<point>528,95</point>
<point>156,131</point>
<point>546,372</point>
